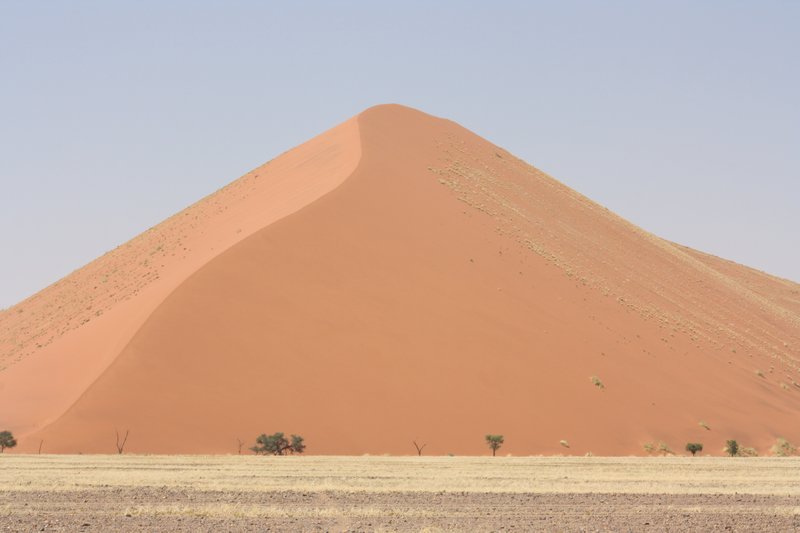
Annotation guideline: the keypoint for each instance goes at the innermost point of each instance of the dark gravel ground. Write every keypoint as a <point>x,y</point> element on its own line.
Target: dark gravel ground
<point>161,510</point>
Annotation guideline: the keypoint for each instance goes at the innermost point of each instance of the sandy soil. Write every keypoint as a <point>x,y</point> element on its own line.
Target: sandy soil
<point>119,493</point>
<point>437,289</point>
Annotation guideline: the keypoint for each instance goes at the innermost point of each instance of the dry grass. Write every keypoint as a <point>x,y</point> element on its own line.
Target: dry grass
<point>627,475</point>
<point>235,510</point>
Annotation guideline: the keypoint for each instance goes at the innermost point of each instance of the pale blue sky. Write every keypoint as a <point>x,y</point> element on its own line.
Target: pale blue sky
<point>681,116</point>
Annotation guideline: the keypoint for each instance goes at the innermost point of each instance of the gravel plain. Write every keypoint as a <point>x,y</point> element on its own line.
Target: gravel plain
<point>160,494</point>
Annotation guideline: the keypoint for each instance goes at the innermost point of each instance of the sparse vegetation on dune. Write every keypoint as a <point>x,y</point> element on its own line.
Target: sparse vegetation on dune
<point>597,382</point>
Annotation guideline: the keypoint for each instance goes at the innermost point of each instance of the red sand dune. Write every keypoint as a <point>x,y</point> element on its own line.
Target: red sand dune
<point>399,278</point>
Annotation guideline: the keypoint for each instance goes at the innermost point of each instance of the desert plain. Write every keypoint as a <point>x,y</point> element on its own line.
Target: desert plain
<point>248,493</point>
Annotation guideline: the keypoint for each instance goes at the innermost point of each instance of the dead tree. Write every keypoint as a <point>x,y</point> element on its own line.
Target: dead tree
<point>418,447</point>
<point>40,446</point>
<point>121,446</point>
<point>241,443</point>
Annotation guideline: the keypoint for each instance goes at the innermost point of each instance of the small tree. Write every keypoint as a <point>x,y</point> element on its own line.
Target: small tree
<point>494,442</point>
<point>694,447</point>
<point>418,447</point>
<point>121,444</point>
<point>7,440</point>
<point>278,444</point>
<point>732,448</point>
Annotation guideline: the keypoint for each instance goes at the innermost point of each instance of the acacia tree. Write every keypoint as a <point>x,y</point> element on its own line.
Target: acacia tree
<point>278,444</point>
<point>694,447</point>
<point>494,442</point>
<point>7,440</point>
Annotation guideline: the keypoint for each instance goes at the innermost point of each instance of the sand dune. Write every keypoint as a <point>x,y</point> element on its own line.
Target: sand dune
<point>400,278</point>
<point>56,343</point>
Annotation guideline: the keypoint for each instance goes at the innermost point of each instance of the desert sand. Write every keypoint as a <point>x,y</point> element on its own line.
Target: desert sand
<point>401,278</point>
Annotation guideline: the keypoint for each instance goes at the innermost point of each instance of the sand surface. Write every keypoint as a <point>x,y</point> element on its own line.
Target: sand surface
<point>179,493</point>
<point>411,281</point>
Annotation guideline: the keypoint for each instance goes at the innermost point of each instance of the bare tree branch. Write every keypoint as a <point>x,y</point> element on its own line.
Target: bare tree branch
<point>418,447</point>
<point>121,447</point>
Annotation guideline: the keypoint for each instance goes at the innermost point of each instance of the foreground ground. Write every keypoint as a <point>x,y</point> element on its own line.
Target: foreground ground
<point>246,493</point>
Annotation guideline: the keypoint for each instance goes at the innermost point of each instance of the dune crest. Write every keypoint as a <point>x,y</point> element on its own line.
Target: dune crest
<point>442,289</point>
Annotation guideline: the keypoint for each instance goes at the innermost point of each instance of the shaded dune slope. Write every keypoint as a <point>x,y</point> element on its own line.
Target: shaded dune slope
<point>445,290</point>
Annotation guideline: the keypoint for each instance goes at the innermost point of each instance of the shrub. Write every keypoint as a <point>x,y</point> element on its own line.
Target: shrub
<point>7,440</point>
<point>664,449</point>
<point>694,447</point>
<point>745,451</point>
<point>564,443</point>
<point>494,442</point>
<point>731,448</point>
<point>784,448</point>
<point>597,383</point>
<point>278,444</point>
<point>704,425</point>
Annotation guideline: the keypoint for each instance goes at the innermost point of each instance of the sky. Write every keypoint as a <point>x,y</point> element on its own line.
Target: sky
<point>681,116</point>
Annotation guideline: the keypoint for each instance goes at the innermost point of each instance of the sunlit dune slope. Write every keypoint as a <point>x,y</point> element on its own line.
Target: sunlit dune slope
<point>437,290</point>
